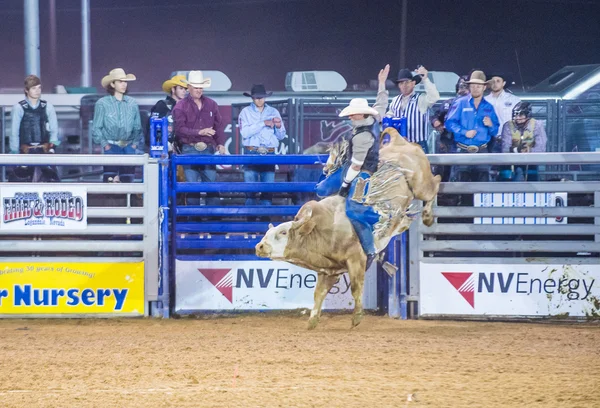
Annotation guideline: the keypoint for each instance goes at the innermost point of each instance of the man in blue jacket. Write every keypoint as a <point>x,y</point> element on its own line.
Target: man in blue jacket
<point>473,122</point>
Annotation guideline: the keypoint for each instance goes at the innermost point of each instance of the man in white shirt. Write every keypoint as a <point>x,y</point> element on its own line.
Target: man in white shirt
<point>414,106</point>
<point>503,102</point>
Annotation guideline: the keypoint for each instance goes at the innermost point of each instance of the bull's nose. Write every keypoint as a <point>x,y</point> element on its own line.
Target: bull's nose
<point>259,248</point>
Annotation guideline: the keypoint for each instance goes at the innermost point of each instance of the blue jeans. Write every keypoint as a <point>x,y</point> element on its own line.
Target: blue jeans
<point>362,217</point>
<point>259,174</point>
<point>463,173</point>
<point>200,173</point>
<point>126,173</point>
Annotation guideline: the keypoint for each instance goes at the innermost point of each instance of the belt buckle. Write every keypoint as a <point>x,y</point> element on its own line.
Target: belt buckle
<point>122,143</point>
<point>472,149</point>
<point>262,150</point>
<point>200,146</point>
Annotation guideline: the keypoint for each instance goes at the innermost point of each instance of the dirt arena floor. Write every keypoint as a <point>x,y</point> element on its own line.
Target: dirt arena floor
<point>273,361</point>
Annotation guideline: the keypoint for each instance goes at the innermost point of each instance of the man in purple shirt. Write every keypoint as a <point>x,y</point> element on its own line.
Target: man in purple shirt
<point>199,130</point>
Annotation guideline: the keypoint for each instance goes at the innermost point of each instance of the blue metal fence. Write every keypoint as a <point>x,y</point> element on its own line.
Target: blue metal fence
<point>223,233</point>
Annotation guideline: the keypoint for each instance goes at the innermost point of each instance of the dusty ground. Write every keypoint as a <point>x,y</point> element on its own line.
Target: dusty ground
<point>272,361</point>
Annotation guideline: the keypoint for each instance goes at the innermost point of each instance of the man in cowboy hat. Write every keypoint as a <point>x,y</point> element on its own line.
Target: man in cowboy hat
<point>361,162</point>
<point>199,130</point>
<point>117,127</point>
<point>175,88</point>
<point>414,107</point>
<point>503,102</point>
<point>474,123</point>
<point>261,128</point>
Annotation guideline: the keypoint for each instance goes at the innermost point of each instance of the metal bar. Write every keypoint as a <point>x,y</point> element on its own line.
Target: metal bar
<point>393,295</point>
<point>518,229</point>
<point>72,246</point>
<point>519,187</point>
<point>152,237</point>
<point>242,187</point>
<point>2,142</point>
<point>250,159</point>
<point>164,264</point>
<point>103,229</point>
<point>249,243</point>
<point>32,37</point>
<point>504,260</point>
<point>73,159</point>
<point>222,257</point>
<point>222,227</point>
<point>75,259</point>
<point>403,277</point>
<point>86,45</point>
<point>552,212</point>
<point>510,158</point>
<point>278,210</point>
<point>597,219</point>
<point>116,212</point>
<point>414,238</point>
<point>507,246</point>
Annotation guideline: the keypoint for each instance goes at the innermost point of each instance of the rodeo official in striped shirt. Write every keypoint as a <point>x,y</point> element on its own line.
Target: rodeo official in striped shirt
<point>414,106</point>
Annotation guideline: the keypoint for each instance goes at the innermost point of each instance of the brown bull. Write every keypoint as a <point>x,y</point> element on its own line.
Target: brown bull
<point>320,238</point>
<point>417,169</point>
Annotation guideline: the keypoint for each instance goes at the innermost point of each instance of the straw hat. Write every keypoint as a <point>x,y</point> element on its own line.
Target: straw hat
<point>358,106</point>
<point>117,74</point>
<point>177,80</point>
<point>478,77</point>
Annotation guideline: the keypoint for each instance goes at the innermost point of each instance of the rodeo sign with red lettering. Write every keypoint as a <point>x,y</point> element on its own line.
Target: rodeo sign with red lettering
<point>510,290</point>
<point>46,207</point>
<point>260,285</point>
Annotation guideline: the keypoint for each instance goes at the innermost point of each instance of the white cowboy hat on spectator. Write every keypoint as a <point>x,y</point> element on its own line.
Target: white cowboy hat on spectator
<point>358,106</point>
<point>117,74</point>
<point>197,80</point>
<point>477,77</point>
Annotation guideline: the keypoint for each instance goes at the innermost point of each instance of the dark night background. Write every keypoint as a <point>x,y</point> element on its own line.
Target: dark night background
<point>260,40</point>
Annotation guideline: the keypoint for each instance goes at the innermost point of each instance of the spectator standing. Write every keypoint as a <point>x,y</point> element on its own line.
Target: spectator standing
<point>34,130</point>
<point>523,134</point>
<point>199,131</point>
<point>473,122</point>
<point>261,129</point>
<point>444,138</point>
<point>176,89</point>
<point>117,126</point>
<point>414,106</point>
<point>503,102</point>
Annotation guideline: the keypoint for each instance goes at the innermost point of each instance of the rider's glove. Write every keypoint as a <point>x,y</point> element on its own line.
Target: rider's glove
<point>344,190</point>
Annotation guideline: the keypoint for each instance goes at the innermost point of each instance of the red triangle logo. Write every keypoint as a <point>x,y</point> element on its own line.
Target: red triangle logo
<point>221,279</point>
<point>464,284</point>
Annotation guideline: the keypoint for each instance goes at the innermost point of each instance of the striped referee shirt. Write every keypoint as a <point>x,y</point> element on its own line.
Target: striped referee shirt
<point>415,108</point>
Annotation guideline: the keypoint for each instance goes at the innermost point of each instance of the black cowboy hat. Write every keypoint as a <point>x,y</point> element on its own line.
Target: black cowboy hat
<point>505,77</point>
<point>406,75</point>
<point>257,92</point>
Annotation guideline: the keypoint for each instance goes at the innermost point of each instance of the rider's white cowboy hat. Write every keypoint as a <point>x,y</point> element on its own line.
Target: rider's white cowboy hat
<point>117,74</point>
<point>358,106</point>
<point>197,80</point>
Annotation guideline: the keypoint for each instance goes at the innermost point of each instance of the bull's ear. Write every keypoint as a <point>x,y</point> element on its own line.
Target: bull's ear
<point>271,225</point>
<point>303,222</point>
